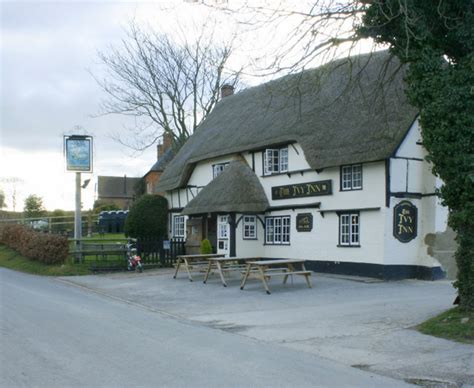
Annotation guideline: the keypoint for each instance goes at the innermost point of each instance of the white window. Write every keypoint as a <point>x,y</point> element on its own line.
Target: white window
<point>351,177</point>
<point>249,226</point>
<point>349,229</point>
<point>275,161</point>
<point>178,226</point>
<point>218,168</point>
<point>223,227</point>
<point>277,230</point>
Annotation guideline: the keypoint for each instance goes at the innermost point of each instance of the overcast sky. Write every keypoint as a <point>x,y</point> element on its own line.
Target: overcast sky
<point>47,50</point>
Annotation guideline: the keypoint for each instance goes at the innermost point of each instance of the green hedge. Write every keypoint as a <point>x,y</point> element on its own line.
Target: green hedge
<point>148,217</point>
<point>45,248</point>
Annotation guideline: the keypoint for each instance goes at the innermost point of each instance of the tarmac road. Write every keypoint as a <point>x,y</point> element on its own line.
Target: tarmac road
<point>57,335</point>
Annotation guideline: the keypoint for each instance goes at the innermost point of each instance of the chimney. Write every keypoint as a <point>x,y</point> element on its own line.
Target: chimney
<point>227,90</point>
<point>161,148</point>
<point>159,151</point>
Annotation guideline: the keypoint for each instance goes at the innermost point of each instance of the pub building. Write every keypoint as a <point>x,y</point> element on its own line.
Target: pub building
<point>326,165</point>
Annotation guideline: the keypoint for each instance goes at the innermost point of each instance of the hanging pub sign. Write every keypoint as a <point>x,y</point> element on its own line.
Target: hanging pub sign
<point>310,189</point>
<point>304,222</point>
<point>78,153</point>
<point>405,221</point>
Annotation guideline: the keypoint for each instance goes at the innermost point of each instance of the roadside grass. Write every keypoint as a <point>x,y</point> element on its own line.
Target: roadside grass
<point>11,259</point>
<point>454,324</point>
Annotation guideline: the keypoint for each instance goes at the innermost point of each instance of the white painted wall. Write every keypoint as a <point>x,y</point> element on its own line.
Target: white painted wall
<point>409,172</point>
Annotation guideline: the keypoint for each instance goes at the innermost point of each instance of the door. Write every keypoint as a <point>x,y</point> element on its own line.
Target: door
<point>223,235</point>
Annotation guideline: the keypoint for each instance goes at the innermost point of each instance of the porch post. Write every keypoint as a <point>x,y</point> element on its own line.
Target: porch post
<point>232,227</point>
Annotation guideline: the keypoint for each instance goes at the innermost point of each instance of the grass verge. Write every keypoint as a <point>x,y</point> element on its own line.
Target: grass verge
<point>13,260</point>
<point>454,324</point>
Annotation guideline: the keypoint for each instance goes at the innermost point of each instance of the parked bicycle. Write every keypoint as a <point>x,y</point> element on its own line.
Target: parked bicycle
<point>134,261</point>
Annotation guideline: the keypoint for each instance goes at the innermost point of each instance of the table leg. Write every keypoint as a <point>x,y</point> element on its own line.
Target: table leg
<point>264,280</point>
<point>186,264</point>
<point>307,277</point>
<point>246,275</point>
<point>208,271</point>
<point>178,263</point>
<point>290,268</point>
<point>219,269</point>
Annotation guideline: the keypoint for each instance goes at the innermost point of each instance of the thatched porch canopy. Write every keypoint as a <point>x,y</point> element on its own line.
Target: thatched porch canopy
<point>236,189</point>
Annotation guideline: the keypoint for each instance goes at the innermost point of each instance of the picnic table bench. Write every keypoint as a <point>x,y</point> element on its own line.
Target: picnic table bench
<point>226,264</point>
<point>264,269</point>
<point>193,262</point>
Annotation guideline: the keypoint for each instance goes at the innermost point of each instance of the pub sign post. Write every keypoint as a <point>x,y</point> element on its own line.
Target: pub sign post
<point>78,155</point>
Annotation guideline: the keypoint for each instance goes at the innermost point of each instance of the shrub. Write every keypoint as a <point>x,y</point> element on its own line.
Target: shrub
<point>206,247</point>
<point>46,248</point>
<point>148,217</point>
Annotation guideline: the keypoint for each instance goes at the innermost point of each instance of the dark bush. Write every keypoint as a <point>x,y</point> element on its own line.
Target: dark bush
<point>148,217</point>
<point>46,248</point>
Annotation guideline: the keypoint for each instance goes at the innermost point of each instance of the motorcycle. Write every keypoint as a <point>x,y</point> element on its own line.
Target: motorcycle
<point>134,262</point>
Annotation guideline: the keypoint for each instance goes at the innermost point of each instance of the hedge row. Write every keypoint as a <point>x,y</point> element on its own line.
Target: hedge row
<point>45,248</point>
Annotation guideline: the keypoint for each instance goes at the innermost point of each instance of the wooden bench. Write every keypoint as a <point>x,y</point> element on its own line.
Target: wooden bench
<point>193,263</point>
<point>265,269</point>
<point>226,264</point>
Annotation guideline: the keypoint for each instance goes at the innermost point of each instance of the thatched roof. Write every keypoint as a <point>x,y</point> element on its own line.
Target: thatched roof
<point>349,111</point>
<point>236,189</point>
<point>116,186</point>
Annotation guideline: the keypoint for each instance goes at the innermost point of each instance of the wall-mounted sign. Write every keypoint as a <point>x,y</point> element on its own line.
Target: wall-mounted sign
<point>310,189</point>
<point>405,221</point>
<point>78,152</point>
<point>304,222</point>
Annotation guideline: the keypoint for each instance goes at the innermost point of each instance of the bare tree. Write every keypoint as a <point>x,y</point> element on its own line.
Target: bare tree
<point>169,86</point>
<point>307,33</point>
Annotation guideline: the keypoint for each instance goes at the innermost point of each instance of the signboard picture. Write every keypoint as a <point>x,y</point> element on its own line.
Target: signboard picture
<point>78,150</point>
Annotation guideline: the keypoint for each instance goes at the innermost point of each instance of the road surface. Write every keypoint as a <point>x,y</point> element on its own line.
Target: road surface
<point>58,335</point>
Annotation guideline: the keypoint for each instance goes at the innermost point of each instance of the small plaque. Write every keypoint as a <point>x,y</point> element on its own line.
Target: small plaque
<point>166,245</point>
<point>304,222</point>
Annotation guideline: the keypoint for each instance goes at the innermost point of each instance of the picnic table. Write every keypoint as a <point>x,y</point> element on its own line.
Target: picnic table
<point>264,269</point>
<point>193,262</point>
<point>226,264</point>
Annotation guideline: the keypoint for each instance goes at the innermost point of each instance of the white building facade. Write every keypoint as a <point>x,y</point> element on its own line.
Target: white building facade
<point>366,212</point>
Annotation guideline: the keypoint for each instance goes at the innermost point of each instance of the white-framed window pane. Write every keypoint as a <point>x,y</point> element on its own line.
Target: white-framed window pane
<point>218,168</point>
<point>250,227</point>
<point>178,226</point>
<point>277,230</point>
<point>357,176</point>
<point>285,230</point>
<point>355,229</point>
<point>275,161</point>
<point>283,159</point>
<point>269,231</point>
<point>346,172</point>
<point>268,162</point>
<point>344,229</point>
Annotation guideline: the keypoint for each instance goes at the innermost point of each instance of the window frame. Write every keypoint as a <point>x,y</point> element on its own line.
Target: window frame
<point>348,178</point>
<point>252,225</point>
<point>349,232</point>
<point>177,226</point>
<point>275,161</point>
<point>280,230</point>
<point>220,166</point>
